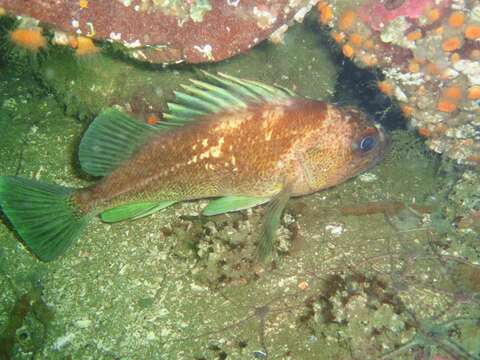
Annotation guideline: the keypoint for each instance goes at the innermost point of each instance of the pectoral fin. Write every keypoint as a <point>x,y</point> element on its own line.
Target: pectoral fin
<point>133,211</point>
<point>271,223</point>
<point>232,203</point>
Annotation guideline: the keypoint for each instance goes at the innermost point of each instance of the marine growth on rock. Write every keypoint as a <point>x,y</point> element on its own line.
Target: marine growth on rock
<point>429,52</point>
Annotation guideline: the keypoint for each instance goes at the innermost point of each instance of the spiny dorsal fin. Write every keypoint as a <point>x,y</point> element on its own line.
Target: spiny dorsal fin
<point>220,92</point>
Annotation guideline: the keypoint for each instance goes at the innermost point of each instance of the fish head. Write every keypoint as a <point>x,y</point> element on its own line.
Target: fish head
<point>346,143</point>
<point>369,143</point>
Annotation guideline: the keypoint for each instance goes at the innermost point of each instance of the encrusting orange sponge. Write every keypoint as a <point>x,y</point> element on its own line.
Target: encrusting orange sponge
<point>451,44</point>
<point>472,32</point>
<point>85,46</point>
<point>456,19</point>
<point>31,38</point>
<point>347,50</point>
<point>414,35</point>
<point>473,93</point>
<point>453,92</point>
<point>385,87</point>
<point>446,106</point>
<point>326,12</point>
<point>347,20</point>
<point>433,15</point>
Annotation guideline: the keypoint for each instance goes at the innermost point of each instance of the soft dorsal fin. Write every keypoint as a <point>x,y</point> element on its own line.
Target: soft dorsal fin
<point>220,92</point>
<point>112,138</point>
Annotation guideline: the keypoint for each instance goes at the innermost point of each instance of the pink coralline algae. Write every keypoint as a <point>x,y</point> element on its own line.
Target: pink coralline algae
<point>378,14</point>
<point>429,53</point>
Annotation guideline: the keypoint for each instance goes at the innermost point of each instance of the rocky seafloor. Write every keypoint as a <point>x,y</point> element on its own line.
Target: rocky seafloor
<point>386,265</point>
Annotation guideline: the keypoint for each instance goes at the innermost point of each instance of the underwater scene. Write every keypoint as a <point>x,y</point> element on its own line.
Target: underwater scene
<point>240,179</point>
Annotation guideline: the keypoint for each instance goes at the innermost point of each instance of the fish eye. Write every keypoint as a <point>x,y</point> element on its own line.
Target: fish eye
<point>367,143</point>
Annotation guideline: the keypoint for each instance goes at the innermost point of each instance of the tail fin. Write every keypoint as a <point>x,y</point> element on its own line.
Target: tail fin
<point>43,215</point>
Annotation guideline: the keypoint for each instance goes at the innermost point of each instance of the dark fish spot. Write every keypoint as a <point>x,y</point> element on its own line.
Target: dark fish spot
<point>393,4</point>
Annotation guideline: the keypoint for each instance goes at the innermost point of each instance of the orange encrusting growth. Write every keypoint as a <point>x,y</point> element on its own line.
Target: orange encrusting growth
<point>326,12</point>
<point>453,92</point>
<point>472,32</point>
<point>414,67</point>
<point>73,42</point>
<point>456,19</point>
<point>347,20</point>
<point>445,105</point>
<point>338,37</point>
<point>31,39</point>
<point>407,110</point>
<point>385,87</point>
<point>414,35</point>
<point>473,93</point>
<point>425,132</point>
<point>433,15</point>
<point>452,44</point>
<point>85,46</point>
<point>356,39</point>
<point>347,50</point>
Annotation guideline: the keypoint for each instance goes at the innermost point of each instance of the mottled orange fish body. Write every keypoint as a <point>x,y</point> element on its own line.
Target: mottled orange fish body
<point>253,152</point>
<point>248,152</point>
<point>239,141</point>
